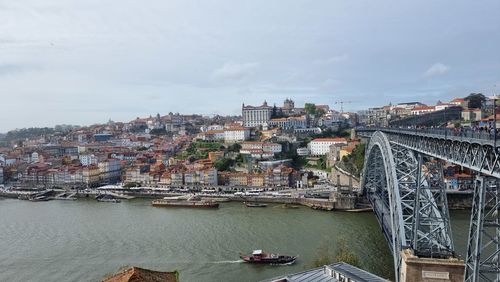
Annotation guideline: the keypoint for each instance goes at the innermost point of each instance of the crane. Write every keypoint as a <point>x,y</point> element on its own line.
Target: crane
<point>342,104</point>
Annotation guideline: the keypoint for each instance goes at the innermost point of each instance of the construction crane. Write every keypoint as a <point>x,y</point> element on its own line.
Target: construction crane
<point>342,104</point>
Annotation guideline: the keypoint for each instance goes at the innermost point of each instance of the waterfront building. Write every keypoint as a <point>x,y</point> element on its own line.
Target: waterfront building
<point>280,176</point>
<point>110,170</point>
<point>238,179</point>
<point>321,146</point>
<point>91,175</point>
<point>256,116</point>
<point>256,180</point>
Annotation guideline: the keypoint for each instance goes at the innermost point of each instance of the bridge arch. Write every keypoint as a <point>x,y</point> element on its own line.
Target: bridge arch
<point>407,199</point>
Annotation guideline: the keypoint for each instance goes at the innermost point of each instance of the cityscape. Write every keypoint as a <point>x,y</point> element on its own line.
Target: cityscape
<point>249,142</point>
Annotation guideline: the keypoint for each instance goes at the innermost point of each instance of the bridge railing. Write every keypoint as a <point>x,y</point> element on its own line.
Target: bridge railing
<point>487,135</point>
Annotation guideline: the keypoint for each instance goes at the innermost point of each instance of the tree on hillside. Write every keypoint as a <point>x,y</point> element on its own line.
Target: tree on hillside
<point>475,100</point>
<point>223,164</point>
<point>310,108</point>
<point>234,148</point>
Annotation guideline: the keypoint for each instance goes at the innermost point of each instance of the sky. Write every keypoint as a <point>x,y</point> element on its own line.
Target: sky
<point>88,61</point>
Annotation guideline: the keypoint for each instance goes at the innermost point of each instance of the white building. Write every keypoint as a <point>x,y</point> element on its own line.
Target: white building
<point>272,147</point>
<point>256,116</point>
<point>264,146</point>
<point>290,122</point>
<point>303,151</point>
<point>87,160</point>
<point>238,134</point>
<point>212,135</point>
<point>260,150</point>
<point>34,157</point>
<point>215,127</point>
<point>321,146</point>
<point>423,110</point>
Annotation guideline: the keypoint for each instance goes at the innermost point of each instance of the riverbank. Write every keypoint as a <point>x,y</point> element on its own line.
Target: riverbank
<point>457,200</point>
<point>337,201</point>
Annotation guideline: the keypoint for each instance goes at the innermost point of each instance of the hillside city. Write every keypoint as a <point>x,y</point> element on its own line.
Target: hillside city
<point>268,147</point>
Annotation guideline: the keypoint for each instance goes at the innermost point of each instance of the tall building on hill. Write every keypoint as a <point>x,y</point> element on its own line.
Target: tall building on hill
<point>256,116</point>
<point>288,105</point>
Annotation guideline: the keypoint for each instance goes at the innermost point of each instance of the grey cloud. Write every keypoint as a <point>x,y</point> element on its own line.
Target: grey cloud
<point>235,71</point>
<point>436,70</point>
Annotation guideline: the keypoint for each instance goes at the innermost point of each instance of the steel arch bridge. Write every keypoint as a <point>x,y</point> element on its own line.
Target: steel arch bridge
<point>403,180</point>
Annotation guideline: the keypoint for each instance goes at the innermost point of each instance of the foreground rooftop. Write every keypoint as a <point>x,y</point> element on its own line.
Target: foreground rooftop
<point>342,272</point>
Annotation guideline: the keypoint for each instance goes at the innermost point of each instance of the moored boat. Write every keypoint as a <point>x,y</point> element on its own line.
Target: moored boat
<point>255,205</point>
<point>107,198</point>
<point>216,199</point>
<point>260,257</point>
<point>184,204</point>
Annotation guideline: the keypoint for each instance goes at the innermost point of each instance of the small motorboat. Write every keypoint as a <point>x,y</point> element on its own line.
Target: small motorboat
<point>260,257</point>
<point>255,205</point>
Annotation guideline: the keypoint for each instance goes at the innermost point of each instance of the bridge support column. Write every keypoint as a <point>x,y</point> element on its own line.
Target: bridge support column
<point>417,269</point>
<point>483,250</point>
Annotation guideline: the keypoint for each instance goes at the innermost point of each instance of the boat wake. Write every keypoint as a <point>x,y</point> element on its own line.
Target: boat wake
<point>229,261</point>
<point>283,264</point>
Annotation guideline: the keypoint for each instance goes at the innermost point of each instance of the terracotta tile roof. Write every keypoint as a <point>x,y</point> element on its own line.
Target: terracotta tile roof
<point>137,274</point>
<point>423,108</point>
<point>458,100</point>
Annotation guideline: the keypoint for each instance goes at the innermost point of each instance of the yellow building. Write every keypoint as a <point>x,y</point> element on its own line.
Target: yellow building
<point>238,179</point>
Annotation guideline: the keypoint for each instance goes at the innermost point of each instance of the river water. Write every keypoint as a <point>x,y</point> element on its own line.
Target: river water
<point>85,240</point>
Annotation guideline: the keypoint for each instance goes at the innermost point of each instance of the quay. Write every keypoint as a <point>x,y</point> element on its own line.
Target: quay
<point>336,201</point>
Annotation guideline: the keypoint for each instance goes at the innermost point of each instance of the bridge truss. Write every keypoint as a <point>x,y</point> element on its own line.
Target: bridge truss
<point>483,249</point>
<point>407,193</point>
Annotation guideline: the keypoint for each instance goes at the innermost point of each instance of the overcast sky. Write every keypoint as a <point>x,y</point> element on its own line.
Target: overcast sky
<point>87,61</point>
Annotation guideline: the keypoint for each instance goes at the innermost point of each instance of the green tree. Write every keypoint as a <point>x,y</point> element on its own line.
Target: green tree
<point>475,100</point>
<point>234,147</point>
<point>223,164</point>
<point>310,108</point>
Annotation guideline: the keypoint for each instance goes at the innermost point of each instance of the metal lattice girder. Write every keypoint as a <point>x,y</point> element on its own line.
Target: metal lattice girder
<point>483,250</point>
<point>432,228</point>
<point>390,179</point>
<point>476,154</point>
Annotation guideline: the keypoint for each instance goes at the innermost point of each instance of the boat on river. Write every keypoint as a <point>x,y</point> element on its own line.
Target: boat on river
<point>260,257</point>
<point>107,198</point>
<point>192,202</point>
<point>184,204</point>
<point>255,205</point>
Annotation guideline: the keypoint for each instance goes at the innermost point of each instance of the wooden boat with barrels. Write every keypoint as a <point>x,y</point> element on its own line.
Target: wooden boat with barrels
<point>260,257</point>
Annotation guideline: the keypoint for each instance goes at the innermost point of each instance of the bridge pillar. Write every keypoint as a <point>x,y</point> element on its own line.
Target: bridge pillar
<point>417,269</point>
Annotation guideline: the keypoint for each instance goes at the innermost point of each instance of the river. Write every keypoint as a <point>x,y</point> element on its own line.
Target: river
<point>85,240</point>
